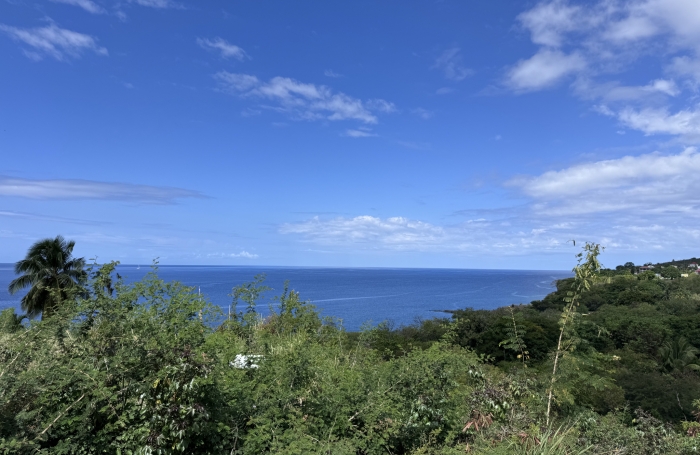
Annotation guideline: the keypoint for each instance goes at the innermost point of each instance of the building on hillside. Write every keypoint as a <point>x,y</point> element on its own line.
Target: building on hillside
<point>693,265</point>
<point>644,268</point>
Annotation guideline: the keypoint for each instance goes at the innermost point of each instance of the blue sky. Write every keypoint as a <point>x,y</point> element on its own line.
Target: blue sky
<point>410,134</point>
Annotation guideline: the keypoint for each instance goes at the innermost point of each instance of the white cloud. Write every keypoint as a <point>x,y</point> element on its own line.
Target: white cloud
<point>87,5</point>
<point>610,34</point>
<point>633,203</point>
<point>630,29</point>
<point>369,233</point>
<point>543,70</point>
<point>686,66</point>
<point>415,145</point>
<point>614,92</point>
<point>53,41</point>
<point>359,133</point>
<point>614,22</point>
<point>684,123</point>
<point>331,73</point>
<point>44,218</point>
<point>423,113</point>
<point>157,3</point>
<point>225,48</point>
<point>381,105</point>
<point>680,18</point>
<point>237,82</point>
<point>548,22</point>
<point>395,232</point>
<point>450,63</point>
<point>667,87</point>
<point>444,90</point>
<point>598,40</point>
<point>88,189</point>
<point>582,178</point>
<point>651,183</point>
<point>301,100</point>
<point>243,254</point>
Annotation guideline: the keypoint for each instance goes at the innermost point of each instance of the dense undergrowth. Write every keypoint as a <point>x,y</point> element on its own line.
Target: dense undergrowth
<point>151,368</point>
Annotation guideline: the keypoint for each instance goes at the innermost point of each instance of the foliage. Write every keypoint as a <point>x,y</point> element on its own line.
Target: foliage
<point>515,341</point>
<point>585,274</point>
<point>679,355</point>
<point>151,367</point>
<point>670,272</point>
<point>10,322</point>
<point>51,274</point>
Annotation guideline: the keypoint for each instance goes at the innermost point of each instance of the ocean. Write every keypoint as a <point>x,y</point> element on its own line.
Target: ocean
<point>356,295</point>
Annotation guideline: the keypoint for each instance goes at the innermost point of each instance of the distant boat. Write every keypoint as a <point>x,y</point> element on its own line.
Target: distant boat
<point>138,267</point>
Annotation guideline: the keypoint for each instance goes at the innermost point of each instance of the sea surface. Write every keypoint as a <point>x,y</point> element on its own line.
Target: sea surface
<point>356,295</point>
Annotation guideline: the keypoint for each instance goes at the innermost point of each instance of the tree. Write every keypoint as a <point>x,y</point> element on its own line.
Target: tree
<point>585,273</point>
<point>679,355</point>
<point>51,272</point>
<point>670,272</point>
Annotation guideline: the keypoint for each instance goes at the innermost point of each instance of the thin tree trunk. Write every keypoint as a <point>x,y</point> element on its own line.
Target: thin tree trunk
<point>554,372</point>
<point>568,311</point>
<point>60,414</point>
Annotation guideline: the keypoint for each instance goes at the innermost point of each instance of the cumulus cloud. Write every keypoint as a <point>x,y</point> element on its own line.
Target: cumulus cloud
<point>684,123</point>
<point>303,100</point>
<point>555,23</point>
<point>686,67</point>
<point>88,189</point>
<point>450,63</point>
<point>87,5</point>
<point>548,22</point>
<point>651,183</point>
<point>544,69</point>
<point>53,41</point>
<point>597,43</point>
<point>225,49</point>
<point>635,202</point>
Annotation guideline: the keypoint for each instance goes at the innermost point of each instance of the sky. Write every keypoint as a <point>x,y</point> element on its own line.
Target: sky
<point>463,134</point>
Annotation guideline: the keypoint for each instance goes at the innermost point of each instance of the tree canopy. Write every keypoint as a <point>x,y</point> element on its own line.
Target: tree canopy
<point>51,273</point>
<point>153,368</point>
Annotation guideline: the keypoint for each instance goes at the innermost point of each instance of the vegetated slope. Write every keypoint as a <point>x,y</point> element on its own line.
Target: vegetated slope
<point>151,368</point>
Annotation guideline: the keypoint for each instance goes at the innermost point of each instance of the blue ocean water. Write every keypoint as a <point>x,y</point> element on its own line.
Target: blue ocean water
<point>356,295</point>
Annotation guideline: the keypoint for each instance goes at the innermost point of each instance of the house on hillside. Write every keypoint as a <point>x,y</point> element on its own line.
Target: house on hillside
<point>693,265</point>
<point>644,268</point>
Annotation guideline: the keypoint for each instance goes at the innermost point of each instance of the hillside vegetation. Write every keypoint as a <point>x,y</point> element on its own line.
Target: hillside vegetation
<point>151,367</point>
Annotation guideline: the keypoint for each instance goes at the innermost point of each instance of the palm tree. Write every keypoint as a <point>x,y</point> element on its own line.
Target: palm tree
<point>679,355</point>
<point>51,272</point>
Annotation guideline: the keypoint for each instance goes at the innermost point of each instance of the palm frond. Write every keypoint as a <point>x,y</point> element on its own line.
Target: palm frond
<point>20,283</point>
<point>49,270</point>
